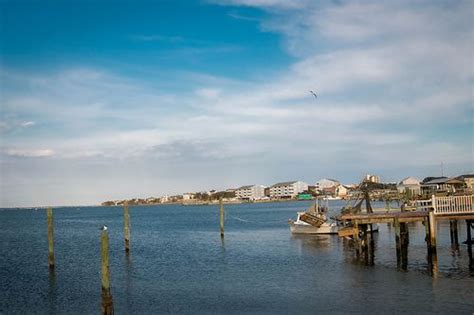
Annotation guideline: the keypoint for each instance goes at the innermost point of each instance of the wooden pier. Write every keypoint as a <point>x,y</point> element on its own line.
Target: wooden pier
<point>453,208</point>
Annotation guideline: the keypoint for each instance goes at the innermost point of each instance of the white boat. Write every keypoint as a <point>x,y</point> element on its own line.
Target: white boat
<point>301,227</point>
<point>319,222</point>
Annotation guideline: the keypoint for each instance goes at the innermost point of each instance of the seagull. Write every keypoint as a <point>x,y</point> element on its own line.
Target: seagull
<point>103,228</point>
<point>314,94</point>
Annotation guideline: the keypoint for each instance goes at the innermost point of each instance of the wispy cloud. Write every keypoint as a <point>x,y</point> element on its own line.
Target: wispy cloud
<point>30,152</point>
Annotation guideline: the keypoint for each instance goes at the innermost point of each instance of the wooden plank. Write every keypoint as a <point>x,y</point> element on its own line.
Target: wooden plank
<point>347,231</point>
<point>312,219</point>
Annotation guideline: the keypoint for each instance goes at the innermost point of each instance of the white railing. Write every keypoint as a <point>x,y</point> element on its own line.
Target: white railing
<point>424,205</point>
<point>447,205</point>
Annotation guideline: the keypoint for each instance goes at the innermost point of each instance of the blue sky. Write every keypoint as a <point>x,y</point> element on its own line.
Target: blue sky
<point>111,100</point>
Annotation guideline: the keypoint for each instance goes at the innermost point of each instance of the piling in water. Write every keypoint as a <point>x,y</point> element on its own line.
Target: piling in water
<point>107,304</point>
<point>50,239</point>
<point>453,233</point>
<point>222,217</point>
<point>469,243</point>
<point>432,228</point>
<point>126,228</point>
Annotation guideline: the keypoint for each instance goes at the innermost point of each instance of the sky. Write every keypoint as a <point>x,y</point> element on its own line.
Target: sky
<point>105,100</point>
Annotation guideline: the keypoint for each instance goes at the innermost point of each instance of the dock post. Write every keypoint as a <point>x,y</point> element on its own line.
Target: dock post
<point>432,227</point>
<point>356,238</point>
<point>222,216</point>
<point>126,228</point>
<point>469,243</point>
<point>398,245</point>
<point>404,240</point>
<point>50,239</point>
<point>107,304</point>
<point>453,233</point>
<point>364,243</point>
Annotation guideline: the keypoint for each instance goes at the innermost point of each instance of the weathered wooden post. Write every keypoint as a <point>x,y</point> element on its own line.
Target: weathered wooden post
<point>469,243</point>
<point>357,243</point>
<point>398,244</point>
<point>126,227</point>
<point>453,233</point>
<point>107,304</point>
<point>432,228</point>
<point>50,239</point>
<point>222,216</point>
<point>404,240</point>
<point>364,243</point>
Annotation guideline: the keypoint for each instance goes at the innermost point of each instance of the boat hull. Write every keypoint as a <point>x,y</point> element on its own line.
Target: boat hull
<point>302,228</point>
<point>297,228</point>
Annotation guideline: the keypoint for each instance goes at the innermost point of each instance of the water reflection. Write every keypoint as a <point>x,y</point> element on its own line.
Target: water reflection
<point>313,242</point>
<point>52,292</point>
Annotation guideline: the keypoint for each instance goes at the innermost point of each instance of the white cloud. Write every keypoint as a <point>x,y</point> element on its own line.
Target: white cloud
<point>30,152</point>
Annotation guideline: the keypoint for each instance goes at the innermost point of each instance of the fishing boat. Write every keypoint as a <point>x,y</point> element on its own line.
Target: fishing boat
<point>314,221</point>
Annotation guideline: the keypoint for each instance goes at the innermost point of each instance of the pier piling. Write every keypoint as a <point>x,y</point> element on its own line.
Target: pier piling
<point>126,228</point>
<point>398,243</point>
<point>432,230</point>
<point>107,304</point>
<point>469,243</point>
<point>222,216</point>
<point>50,239</point>
<point>453,233</point>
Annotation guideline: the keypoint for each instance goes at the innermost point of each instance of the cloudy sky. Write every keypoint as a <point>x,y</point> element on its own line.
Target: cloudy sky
<point>112,100</point>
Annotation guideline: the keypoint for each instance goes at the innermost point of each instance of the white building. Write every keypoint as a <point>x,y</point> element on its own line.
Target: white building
<point>188,196</point>
<point>250,192</point>
<point>287,189</point>
<point>341,191</point>
<point>372,178</point>
<point>410,183</point>
<point>326,183</point>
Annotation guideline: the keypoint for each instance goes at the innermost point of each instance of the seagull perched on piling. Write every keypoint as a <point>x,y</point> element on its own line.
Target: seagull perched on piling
<point>103,228</point>
<point>314,94</point>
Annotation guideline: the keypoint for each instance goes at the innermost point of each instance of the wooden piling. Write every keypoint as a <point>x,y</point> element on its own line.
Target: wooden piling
<point>107,304</point>
<point>398,244</point>
<point>50,239</point>
<point>356,238</point>
<point>432,227</point>
<point>404,240</point>
<point>222,216</point>
<point>453,233</point>
<point>469,244</point>
<point>126,227</point>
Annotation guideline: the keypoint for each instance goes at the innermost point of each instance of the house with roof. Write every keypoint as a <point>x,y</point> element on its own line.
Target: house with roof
<point>431,185</point>
<point>287,189</point>
<point>409,183</point>
<point>250,192</point>
<point>468,180</point>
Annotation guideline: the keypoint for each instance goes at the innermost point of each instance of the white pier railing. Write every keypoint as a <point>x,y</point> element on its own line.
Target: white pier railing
<point>447,205</point>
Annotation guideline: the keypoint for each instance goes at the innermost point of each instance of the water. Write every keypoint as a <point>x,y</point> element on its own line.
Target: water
<point>179,264</point>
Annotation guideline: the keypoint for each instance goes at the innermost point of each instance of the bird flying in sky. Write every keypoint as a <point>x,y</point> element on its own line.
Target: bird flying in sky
<point>314,94</point>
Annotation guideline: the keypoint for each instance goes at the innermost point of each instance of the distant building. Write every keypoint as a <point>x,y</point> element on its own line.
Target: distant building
<point>326,183</point>
<point>188,196</point>
<point>468,180</point>
<point>410,183</point>
<point>432,185</point>
<point>250,192</point>
<point>287,189</point>
<point>372,179</point>
<point>341,191</point>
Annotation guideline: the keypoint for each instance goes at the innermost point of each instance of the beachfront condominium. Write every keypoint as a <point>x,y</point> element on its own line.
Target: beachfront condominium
<point>287,189</point>
<point>250,192</point>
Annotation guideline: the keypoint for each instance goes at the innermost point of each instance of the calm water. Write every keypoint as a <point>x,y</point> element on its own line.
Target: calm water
<point>178,264</point>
